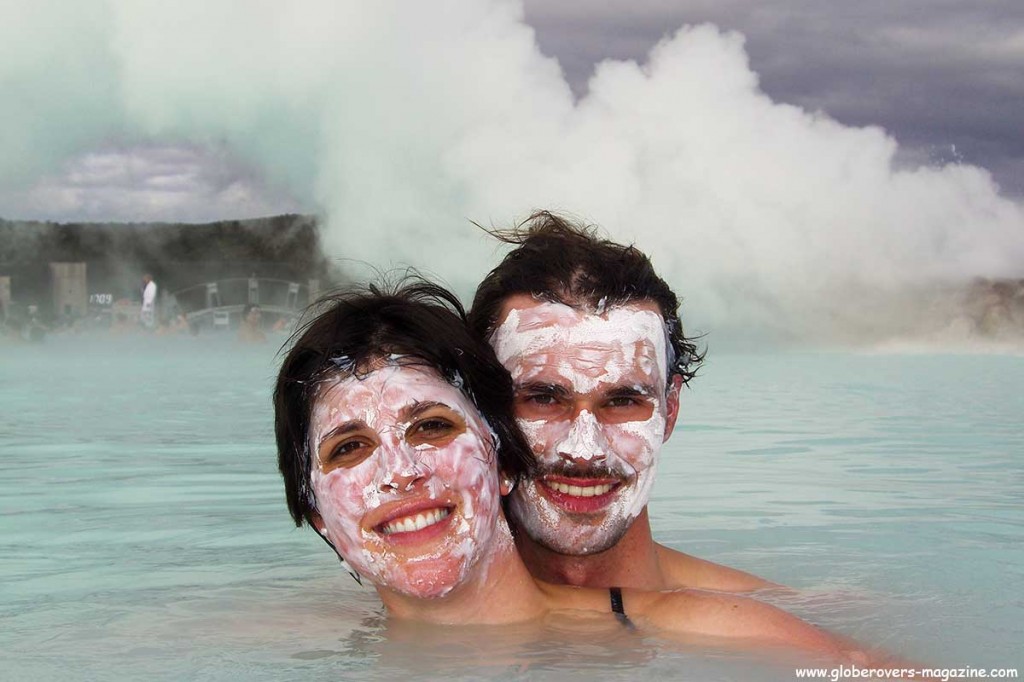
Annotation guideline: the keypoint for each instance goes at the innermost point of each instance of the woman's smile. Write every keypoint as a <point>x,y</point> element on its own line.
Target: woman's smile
<point>412,522</point>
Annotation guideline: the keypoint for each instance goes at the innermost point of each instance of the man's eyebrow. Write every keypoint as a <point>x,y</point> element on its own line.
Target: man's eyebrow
<point>633,391</point>
<point>543,388</point>
<point>341,430</point>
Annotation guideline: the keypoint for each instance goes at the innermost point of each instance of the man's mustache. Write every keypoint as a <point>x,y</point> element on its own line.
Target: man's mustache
<point>576,470</point>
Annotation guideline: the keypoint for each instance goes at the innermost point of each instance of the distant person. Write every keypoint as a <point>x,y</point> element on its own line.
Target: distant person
<point>147,316</point>
<point>35,329</point>
<point>179,325</point>
<point>251,328</point>
<point>173,325</point>
<point>122,324</point>
<point>282,326</point>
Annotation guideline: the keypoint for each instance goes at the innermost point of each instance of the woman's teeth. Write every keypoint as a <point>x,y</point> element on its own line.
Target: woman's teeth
<point>408,524</point>
<point>580,491</point>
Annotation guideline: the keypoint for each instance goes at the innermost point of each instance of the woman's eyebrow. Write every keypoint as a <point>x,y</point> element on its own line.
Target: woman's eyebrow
<point>418,408</point>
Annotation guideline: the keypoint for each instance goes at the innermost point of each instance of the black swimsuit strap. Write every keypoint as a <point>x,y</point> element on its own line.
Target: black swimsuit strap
<point>615,594</point>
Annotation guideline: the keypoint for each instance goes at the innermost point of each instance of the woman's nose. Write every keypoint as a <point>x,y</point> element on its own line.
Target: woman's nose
<point>402,481</point>
<point>400,469</point>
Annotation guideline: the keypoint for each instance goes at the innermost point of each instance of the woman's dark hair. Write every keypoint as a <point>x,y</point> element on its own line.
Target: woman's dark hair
<point>414,319</point>
<point>562,261</point>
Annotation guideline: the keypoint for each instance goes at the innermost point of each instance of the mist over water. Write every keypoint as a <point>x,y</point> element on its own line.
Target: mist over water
<point>401,122</point>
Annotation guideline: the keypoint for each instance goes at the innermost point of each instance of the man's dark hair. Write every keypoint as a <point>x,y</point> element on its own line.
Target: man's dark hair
<point>421,322</point>
<point>561,261</point>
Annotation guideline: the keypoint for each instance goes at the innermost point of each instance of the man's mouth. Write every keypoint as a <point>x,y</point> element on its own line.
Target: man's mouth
<point>416,522</point>
<point>579,491</point>
<point>580,496</point>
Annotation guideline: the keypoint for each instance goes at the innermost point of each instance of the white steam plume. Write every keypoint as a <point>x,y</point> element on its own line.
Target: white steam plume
<point>404,120</point>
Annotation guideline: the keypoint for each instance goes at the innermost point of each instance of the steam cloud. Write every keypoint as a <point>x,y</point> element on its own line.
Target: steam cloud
<point>402,121</point>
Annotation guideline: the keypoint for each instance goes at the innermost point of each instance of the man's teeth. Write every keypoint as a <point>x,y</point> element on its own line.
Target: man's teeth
<point>408,524</point>
<point>580,491</point>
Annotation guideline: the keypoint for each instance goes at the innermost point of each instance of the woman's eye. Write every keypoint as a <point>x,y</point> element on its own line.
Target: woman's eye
<point>348,452</point>
<point>435,430</point>
<point>433,426</point>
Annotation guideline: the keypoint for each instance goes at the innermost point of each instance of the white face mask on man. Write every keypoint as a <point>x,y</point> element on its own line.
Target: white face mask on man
<point>591,398</point>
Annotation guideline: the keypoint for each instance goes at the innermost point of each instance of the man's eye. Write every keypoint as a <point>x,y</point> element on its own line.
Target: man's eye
<point>619,409</point>
<point>540,404</point>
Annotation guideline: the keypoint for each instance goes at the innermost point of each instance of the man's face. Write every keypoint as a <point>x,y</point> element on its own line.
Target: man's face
<point>590,395</point>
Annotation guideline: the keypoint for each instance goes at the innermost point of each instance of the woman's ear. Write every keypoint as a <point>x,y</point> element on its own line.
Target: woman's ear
<point>317,522</point>
<point>506,485</point>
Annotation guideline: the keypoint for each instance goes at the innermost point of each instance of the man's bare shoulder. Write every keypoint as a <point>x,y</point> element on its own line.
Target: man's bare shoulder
<point>681,570</point>
<point>732,618</point>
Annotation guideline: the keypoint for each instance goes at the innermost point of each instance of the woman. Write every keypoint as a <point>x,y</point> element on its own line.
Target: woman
<point>396,441</point>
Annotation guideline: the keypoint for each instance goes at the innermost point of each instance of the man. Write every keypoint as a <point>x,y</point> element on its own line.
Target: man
<point>592,338</point>
<point>250,330</point>
<point>147,316</point>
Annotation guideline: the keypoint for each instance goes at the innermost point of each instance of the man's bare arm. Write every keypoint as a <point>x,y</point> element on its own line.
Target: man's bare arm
<point>741,621</point>
<point>682,571</point>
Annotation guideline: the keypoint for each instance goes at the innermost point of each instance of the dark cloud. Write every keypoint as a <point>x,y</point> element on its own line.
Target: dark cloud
<point>151,182</point>
<point>945,77</point>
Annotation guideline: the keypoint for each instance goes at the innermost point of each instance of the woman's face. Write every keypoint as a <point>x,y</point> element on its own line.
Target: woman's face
<point>405,478</point>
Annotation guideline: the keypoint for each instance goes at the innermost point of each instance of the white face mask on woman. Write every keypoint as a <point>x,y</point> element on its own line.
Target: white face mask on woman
<point>405,478</point>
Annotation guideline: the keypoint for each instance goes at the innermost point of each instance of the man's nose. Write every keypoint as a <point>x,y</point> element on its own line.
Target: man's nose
<point>584,442</point>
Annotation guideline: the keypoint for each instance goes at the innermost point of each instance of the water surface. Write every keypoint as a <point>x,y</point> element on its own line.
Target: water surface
<point>143,530</point>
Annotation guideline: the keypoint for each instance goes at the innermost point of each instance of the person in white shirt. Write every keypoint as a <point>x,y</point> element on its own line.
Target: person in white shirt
<point>147,316</point>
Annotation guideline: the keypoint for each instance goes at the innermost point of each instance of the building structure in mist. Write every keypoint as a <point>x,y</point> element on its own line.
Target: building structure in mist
<point>5,295</point>
<point>69,286</point>
<point>70,271</point>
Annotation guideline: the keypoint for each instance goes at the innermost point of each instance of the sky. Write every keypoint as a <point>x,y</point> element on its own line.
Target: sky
<point>774,156</point>
<point>944,77</point>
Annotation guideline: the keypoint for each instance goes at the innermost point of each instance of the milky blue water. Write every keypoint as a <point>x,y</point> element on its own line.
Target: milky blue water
<point>143,531</point>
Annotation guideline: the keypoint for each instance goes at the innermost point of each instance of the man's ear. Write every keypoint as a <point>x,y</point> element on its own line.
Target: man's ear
<point>672,405</point>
